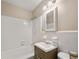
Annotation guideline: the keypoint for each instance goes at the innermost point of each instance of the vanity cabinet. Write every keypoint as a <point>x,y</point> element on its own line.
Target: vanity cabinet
<point>40,54</point>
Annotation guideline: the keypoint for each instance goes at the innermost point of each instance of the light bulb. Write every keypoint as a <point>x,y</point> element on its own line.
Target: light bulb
<point>49,3</point>
<point>44,8</point>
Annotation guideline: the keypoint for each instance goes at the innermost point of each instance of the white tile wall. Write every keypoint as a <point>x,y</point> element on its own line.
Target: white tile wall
<point>14,31</point>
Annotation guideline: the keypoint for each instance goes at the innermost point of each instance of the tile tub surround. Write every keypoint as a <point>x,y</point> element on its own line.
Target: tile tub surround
<point>16,38</point>
<point>15,33</point>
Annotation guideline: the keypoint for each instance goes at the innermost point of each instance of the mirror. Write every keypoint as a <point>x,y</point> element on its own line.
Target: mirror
<point>49,20</point>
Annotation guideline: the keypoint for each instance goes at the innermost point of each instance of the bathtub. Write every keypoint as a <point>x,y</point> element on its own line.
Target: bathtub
<point>18,53</point>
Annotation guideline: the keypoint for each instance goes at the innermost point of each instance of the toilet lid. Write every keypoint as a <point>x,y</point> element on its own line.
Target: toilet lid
<point>63,55</point>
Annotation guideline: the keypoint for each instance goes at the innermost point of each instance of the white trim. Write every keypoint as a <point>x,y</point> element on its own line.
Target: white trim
<point>54,26</point>
<point>67,31</point>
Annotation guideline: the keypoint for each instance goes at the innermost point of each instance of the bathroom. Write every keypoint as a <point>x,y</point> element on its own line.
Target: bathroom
<point>24,28</point>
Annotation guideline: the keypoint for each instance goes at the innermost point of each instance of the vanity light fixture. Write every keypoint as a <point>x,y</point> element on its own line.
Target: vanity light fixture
<point>49,5</point>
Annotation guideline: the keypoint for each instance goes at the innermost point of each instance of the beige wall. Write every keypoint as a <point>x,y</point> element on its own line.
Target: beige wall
<point>14,11</point>
<point>67,14</point>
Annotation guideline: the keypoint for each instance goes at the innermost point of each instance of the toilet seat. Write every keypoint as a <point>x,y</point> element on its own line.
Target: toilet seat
<point>63,55</point>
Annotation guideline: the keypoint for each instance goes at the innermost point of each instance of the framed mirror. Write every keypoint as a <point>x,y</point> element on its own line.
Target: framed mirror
<point>49,20</point>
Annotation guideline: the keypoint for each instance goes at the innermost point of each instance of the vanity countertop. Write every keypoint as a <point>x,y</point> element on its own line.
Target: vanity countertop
<point>44,46</point>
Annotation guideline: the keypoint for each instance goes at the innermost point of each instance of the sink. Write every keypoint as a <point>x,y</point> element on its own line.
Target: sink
<point>45,46</point>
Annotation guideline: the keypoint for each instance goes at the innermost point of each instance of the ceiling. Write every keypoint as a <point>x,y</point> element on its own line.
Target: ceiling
<point>29,5</point>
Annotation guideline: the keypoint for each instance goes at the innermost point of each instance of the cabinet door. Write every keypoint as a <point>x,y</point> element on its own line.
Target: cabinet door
<point>42,55</point>
<point>39,53</point>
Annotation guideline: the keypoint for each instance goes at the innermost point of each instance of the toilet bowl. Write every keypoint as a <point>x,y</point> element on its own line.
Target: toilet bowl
<point>63,55</point>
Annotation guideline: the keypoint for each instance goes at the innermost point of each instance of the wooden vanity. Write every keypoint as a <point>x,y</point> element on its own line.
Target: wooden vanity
<point>40,54</point>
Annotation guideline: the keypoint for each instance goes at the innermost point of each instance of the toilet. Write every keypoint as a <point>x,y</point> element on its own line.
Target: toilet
<point>63,55</point>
